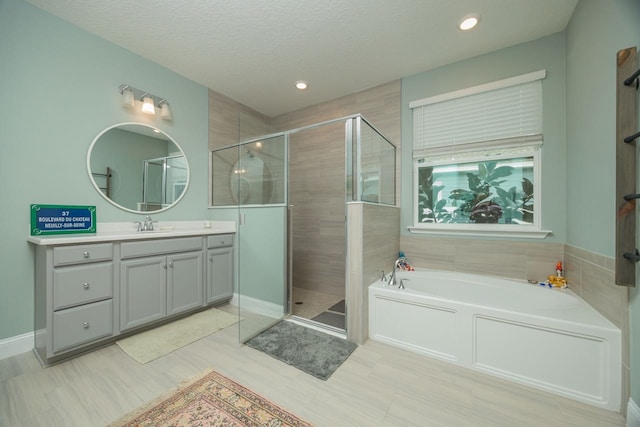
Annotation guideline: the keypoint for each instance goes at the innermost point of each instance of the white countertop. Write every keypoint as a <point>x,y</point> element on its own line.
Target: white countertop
<point>119,231</point>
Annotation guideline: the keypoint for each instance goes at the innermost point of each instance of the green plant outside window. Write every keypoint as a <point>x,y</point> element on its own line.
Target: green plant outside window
<point>477,192</point>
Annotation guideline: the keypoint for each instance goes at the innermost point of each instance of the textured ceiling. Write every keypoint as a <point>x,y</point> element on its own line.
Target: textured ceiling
<point>254,50</point>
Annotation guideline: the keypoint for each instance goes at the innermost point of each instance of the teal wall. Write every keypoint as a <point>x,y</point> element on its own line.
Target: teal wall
<point>547,53</point>
<point>58,90</point>
<point>596,32</point>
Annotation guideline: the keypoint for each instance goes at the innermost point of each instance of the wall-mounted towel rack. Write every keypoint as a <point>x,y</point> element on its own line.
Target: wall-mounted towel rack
<point>633,78</point>
<point>106,188</point>
<point>626,194</point>
<point>632,138</point>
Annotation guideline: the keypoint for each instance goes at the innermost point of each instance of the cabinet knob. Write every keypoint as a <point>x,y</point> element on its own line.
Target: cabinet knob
<point>86,254</point>
<point>171,264</point>
<point>164,265</point>
<point>85,325</point>
<point>86,285</point>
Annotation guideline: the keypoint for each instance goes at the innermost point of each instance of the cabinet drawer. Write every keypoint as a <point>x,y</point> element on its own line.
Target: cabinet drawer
<point>81,325</point>
<point>64,255</point>
<point>82,284</point>
<point>160,246</point>
<point>219,240</point>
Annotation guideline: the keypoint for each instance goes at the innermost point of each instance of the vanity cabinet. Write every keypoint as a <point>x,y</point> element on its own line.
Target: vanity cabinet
<point>143,296</point>
<point>74,297</point>
<point>91,293</point>
<point>219,268</point>
<point>152,286</point>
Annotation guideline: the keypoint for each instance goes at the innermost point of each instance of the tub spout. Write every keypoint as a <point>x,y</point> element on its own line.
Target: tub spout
<point>392,276</point>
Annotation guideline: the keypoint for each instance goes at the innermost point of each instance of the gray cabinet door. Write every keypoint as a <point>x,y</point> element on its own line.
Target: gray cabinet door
<point>219,274</point>
<point>185,282</point>
<point>143,291</point>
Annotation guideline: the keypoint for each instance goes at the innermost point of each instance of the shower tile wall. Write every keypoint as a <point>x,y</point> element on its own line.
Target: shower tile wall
<point>229,122</point>
<point>316,192</point>
<point>373,236</point>
<point>381,106</point>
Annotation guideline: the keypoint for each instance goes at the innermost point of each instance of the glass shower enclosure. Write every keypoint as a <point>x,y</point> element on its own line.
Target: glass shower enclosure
<point>163,181</point>
<point>288,193</point>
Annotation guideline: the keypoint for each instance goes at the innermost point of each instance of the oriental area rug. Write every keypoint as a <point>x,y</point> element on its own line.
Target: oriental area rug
<point>211,400</point>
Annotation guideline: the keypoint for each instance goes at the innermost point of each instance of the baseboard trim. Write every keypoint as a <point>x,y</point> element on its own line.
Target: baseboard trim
<point>633,414</point>
<point>13,346</point>
<point>258,306</point>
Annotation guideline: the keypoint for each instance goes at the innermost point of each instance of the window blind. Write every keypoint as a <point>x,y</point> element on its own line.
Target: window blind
<point>508,110</point>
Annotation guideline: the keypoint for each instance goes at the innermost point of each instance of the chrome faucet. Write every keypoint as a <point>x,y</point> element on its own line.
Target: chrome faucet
<point>148,223</point>
<point>392,276</point>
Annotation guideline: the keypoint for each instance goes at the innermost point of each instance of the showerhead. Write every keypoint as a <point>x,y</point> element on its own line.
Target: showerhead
<point>250,153</point>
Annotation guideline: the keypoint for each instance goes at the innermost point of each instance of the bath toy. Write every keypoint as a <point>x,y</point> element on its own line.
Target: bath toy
<point>557,282</point>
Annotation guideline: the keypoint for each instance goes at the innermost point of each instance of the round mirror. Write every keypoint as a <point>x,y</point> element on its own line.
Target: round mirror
<point>138,168</point>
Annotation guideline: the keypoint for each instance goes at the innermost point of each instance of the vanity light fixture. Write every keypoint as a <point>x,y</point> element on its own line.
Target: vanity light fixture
<point>149,102</point>
<point>468,22</point>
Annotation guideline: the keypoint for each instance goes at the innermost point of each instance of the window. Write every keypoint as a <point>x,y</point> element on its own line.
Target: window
<point>477,159</point>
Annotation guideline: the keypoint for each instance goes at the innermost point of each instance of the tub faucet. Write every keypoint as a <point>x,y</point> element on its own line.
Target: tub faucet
<point>392,276</point>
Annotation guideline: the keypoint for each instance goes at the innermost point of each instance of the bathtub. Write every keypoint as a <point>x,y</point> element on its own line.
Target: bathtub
<point>545,338</point>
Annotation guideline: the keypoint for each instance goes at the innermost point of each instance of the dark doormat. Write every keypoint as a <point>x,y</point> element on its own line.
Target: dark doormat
<point>330,318</point>
<point>311,351</point>
<point>338,307</point>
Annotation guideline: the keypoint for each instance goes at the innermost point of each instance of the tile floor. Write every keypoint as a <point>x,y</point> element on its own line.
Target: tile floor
<point>377,386</point>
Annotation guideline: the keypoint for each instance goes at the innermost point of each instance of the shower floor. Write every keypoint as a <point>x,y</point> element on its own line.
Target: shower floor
<point>319,307</point>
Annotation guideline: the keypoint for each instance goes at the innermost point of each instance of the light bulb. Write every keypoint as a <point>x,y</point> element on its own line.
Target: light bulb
<point>468,22</point>
<point>165,111</point>
<point>148,106</point>
<point>128,99</point>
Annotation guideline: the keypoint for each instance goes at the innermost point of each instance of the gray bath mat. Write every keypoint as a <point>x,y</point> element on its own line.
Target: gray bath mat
<point>311,351</point>
<point>338,307</point>
<point>330,318</point>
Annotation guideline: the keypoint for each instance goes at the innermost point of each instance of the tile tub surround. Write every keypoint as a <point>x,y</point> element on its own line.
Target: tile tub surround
<point>516,260</point>
<point>592,277</point>
<point>543,338</point>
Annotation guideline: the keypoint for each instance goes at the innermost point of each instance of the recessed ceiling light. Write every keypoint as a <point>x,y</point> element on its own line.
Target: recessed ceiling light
<point>468,22</point>
<point>301,85</point>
